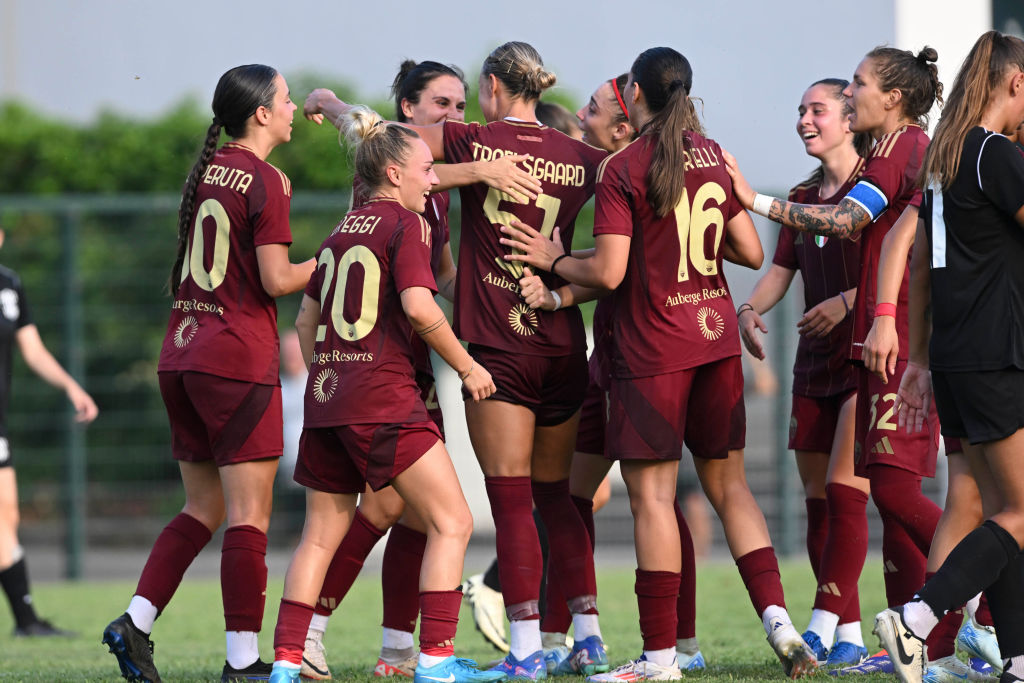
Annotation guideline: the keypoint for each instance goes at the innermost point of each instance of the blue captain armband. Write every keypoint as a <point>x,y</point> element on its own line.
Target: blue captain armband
<point>869,197</point>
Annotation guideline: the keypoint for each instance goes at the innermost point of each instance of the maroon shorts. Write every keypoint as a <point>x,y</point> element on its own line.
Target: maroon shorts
<point>344,459</point>
<point>593,421</point>
<point>813,420</point>
<point>879,440</point>
<point>552,387</point>
<point>220,419</point>
<point>650,418</point>
<point>953,445</point>
<point>428,392</point>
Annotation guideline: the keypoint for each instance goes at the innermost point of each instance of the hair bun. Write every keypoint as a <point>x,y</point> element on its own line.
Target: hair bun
<point>927,54</point>
<point>361,123</point>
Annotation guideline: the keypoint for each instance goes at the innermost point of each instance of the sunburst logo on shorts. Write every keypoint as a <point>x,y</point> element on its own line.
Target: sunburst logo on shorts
<point>711,323</point>
<point>523,319</point>
<point>325,384</point>
<point>186,331</point>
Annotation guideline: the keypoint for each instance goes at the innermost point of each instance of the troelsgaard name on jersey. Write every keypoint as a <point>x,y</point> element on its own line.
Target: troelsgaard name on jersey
<point>559,173</point>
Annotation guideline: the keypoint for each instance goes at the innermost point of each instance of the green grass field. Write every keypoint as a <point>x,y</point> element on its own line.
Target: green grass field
<point>190,642</point>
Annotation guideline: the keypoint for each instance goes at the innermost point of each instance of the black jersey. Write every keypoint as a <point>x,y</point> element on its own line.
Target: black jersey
<point>14,315</point>
<point>977,259</point>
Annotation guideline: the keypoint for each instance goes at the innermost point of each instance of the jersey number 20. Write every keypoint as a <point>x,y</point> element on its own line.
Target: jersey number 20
<point>350,331</point>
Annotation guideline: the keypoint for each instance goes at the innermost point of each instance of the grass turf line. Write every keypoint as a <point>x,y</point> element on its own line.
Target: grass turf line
<point>190,640</point>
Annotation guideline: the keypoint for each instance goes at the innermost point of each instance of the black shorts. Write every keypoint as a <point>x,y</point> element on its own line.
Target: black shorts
<point>979,406</point>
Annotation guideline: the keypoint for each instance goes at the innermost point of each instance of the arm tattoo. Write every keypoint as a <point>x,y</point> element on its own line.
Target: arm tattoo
<point>432,328</point>
<point>841,220</point>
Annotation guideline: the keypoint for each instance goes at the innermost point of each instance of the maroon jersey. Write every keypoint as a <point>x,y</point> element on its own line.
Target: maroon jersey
<point>436,215</point>
<point>222,320</point>
<point>362,365</point>
<point>488,308</point>
<point>827,267</point>
<point>673,309</point>
<point>889,172</point>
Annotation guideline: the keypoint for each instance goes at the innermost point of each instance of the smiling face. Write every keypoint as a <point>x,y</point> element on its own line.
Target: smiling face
<point>597,118</point>
<point>867,99</point>
<point>282,112</point>
<point>443,98</point>
<point>415,176</point>
<point>822,125</point>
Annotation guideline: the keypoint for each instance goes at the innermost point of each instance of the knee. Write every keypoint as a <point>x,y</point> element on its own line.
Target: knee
<point>456,525</point>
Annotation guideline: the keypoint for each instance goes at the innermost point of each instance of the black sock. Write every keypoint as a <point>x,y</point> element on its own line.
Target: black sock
<point>542,536</point>
<point>973,565</point>
<point>491,579</point>
<point>1006,602</point>
<point>14,580</point>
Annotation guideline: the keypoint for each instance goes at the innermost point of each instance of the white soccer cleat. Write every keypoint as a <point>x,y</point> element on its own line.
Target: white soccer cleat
<point>639,670</point>
<point>314,657</point>
<point>905,649</point>
<point>488,610</point>
<point>949,669</point>
<point>405,668</point>
<point>797,659</point>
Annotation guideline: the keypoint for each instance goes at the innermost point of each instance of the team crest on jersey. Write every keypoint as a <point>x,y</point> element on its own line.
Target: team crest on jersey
<point>9,304</point>
<point>820,240</point>
<point>523,319</point>
<point>186,332</point>
<point>711,323</point>
<point>325,384</point>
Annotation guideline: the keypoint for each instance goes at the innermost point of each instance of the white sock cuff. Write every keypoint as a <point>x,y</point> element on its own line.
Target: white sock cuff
<point>319,622</point>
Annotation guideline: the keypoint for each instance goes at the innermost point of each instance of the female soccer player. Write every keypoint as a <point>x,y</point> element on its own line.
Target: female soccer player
<point>16,326</point>
<point>425,93</point>
<point>822,422</point>
<point>373,287</point>
<point>972,230</point>
<point>219,369</point>
<point>523,436</point>
<point>891,94</point>
<point>664,205</point>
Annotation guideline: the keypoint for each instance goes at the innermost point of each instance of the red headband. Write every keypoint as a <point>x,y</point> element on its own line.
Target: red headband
<point>615,87</point>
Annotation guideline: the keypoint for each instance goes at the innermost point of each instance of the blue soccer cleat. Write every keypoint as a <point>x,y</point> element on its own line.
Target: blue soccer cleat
<point>688,662</point>
<point>876,664</point>
<point>845,653</point>
<point>456,670</point>
<point>530,668</point>
<point>813,641</point>
<point>980,641</point>
<point>283,672</point>
<point>555,657</point>
<point>586,658</point>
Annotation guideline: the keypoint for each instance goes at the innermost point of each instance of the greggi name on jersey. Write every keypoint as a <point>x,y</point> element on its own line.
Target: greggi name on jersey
<point>232,178</point>
<point>573,175</point>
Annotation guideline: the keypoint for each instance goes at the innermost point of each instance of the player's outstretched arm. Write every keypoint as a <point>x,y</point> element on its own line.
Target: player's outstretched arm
<point>41,361</point>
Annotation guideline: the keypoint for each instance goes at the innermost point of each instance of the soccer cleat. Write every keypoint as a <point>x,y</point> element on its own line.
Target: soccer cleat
<point>554,658</point>
<point>694,662</point>
<point>980,641</point>
<point>845,653</point>
<point>257,671</point>
<point>949,669</point>
<point>314,657</point>
<point>284,673</point>
<point>455,670</point>
<point>905,649</point>
<point>813,641</point>
<point>40,628</point>
<point>133,649</point>
<point>403,667</point>
<point>980,666</point>
<point>530,668</point>
<point>639,670</point>
<point>488,610</point>
<point>796,657</point>
<point>876,664</point>
<point>586,658</point>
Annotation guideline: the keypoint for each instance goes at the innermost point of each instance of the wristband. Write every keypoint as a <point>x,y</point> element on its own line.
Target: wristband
<point>558,300</point>
<point>555,263</point>
<point>762,205</point>
<point>743,309</point>
<point>845,305</point>
<point>462,377</point>
<point>885,309</point>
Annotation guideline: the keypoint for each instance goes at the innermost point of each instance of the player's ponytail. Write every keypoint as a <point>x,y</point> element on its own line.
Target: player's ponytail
<point>239,93</point>
<point>377,143</point>
<point>520,69</point>
<point>991,59</point>
<point>665,78</point>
